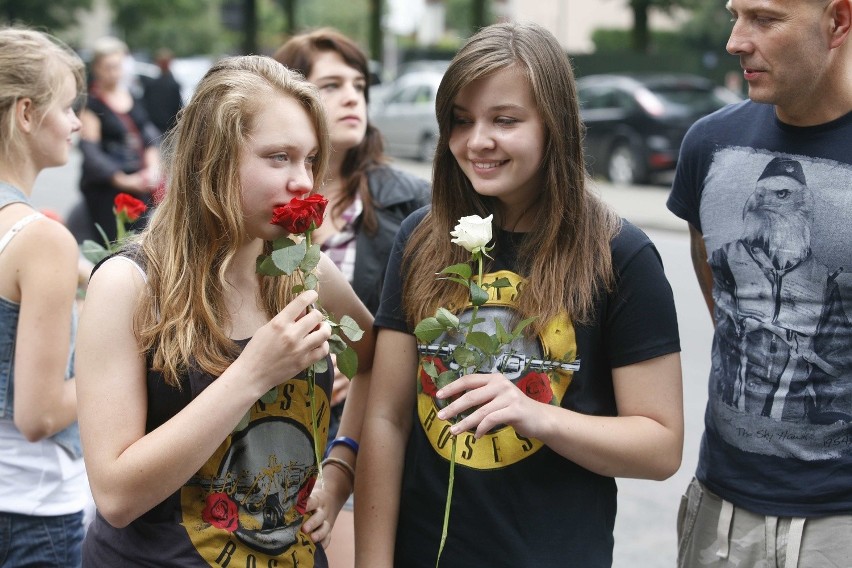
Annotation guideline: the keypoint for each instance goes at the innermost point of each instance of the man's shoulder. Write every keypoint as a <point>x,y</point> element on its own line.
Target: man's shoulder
<point>733,118</point>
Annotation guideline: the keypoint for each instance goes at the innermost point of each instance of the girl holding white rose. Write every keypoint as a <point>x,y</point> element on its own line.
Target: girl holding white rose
<point>591,390</point>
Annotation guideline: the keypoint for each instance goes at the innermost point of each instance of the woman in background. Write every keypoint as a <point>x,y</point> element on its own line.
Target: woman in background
<point>118,141</point>
<point>44,489</point>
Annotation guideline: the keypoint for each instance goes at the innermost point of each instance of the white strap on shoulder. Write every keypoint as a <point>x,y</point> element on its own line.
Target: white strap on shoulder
<point>16,228</point>
<point>131,261</point>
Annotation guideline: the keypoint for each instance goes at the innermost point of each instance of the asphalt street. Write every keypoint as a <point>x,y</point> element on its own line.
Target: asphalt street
<point>645,526</point>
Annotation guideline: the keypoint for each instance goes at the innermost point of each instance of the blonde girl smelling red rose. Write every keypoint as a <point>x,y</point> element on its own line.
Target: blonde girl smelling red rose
<point>193,400</point>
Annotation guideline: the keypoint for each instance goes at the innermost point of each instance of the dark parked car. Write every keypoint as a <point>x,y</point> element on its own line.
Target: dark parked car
<point>635,123</point>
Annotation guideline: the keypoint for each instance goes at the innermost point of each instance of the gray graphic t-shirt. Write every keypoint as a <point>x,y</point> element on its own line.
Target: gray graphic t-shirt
<point>774,203</point>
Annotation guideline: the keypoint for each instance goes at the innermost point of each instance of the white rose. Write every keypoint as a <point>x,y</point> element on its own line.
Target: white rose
<point>473,233</point>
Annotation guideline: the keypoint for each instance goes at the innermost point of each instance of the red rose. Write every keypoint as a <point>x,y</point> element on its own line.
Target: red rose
<point>128,207</point>
<point>427,382</point>
<point>296,217</point>
<point>304,493</point>
<point>221,512</point>
<point>537,387</point>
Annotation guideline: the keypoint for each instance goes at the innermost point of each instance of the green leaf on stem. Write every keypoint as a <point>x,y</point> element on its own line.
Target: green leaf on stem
<point>264,265</point>
<point>93,252</point>
<point>462,270</point>
<point>465,283</point>
<point>466,356</point>
<point>103,236</point>
<point>311,281</point>
<point>428,330</point>
<point>478,296</point>
<point>445,378</point>
<point>519,329</point>
<point>430,369</point>
<point>321,366</point>
<point>447,318</point>
<point>336,345</point>
<point>503,336</point>
<point>482,341</point>
<point>289,258</point>
<point>282,242</point>
<point>312,257</point>
<point>347,362</point>
<point>501,283</point>
<point>350,328</point>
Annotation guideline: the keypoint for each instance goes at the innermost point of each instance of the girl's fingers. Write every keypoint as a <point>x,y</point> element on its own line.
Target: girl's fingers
<point>317,514</point>
<point>473,390</point>
<point>322,535</point>
<point>295,310</point>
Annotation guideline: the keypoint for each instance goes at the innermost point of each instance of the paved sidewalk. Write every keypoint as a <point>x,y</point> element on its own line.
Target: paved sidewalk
<point>644,206</point>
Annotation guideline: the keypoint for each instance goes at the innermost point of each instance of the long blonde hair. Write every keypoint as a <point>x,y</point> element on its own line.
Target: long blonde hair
<point>567,254</point>
<point>197,229</point>
<point>30,65</point>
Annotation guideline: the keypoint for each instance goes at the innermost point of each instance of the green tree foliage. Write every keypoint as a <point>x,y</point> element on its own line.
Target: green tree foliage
<point>351,17</point>
<point>608,40</point>
<point>706,30</point>
<point>465,17</point>
<point>709,26</point>
<point>641,35</point>
<point>187,27</point>
<point>48,14</point>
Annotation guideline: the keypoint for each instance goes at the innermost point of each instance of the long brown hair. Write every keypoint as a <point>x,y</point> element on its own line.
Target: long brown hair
<point>299,53</point>
<point>567,253</point>
<point>198,228</point>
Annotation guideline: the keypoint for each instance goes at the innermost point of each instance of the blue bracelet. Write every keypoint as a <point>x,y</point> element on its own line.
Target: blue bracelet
<point>344,440</point>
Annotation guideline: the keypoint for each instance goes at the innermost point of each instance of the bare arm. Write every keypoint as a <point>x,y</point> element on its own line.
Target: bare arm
<point>380,463</point>
<point>45,403</point>
<point>130,471</point>
<point>645,440</point>
<point>703,272</point>
<point>90,126</point>
<point>337,296</point>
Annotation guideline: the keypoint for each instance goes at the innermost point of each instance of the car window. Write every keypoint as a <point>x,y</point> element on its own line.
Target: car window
<point>623,99</point>
<point>424,95</point>
<point>698,100</point>
<point>596,98</point>
<point>404,95</point>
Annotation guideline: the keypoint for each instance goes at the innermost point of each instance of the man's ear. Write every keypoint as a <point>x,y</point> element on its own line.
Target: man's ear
<point>25,114</point>
<point>841,22</point>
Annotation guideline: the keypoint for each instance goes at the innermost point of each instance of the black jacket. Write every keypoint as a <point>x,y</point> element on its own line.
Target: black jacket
<point>395,195</point>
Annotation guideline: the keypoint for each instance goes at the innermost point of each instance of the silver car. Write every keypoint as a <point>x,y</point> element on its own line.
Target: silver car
<point>405,114</point>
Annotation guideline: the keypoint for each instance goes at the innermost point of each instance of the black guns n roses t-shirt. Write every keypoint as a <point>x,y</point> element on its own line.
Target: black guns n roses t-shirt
<point>517,503</point>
